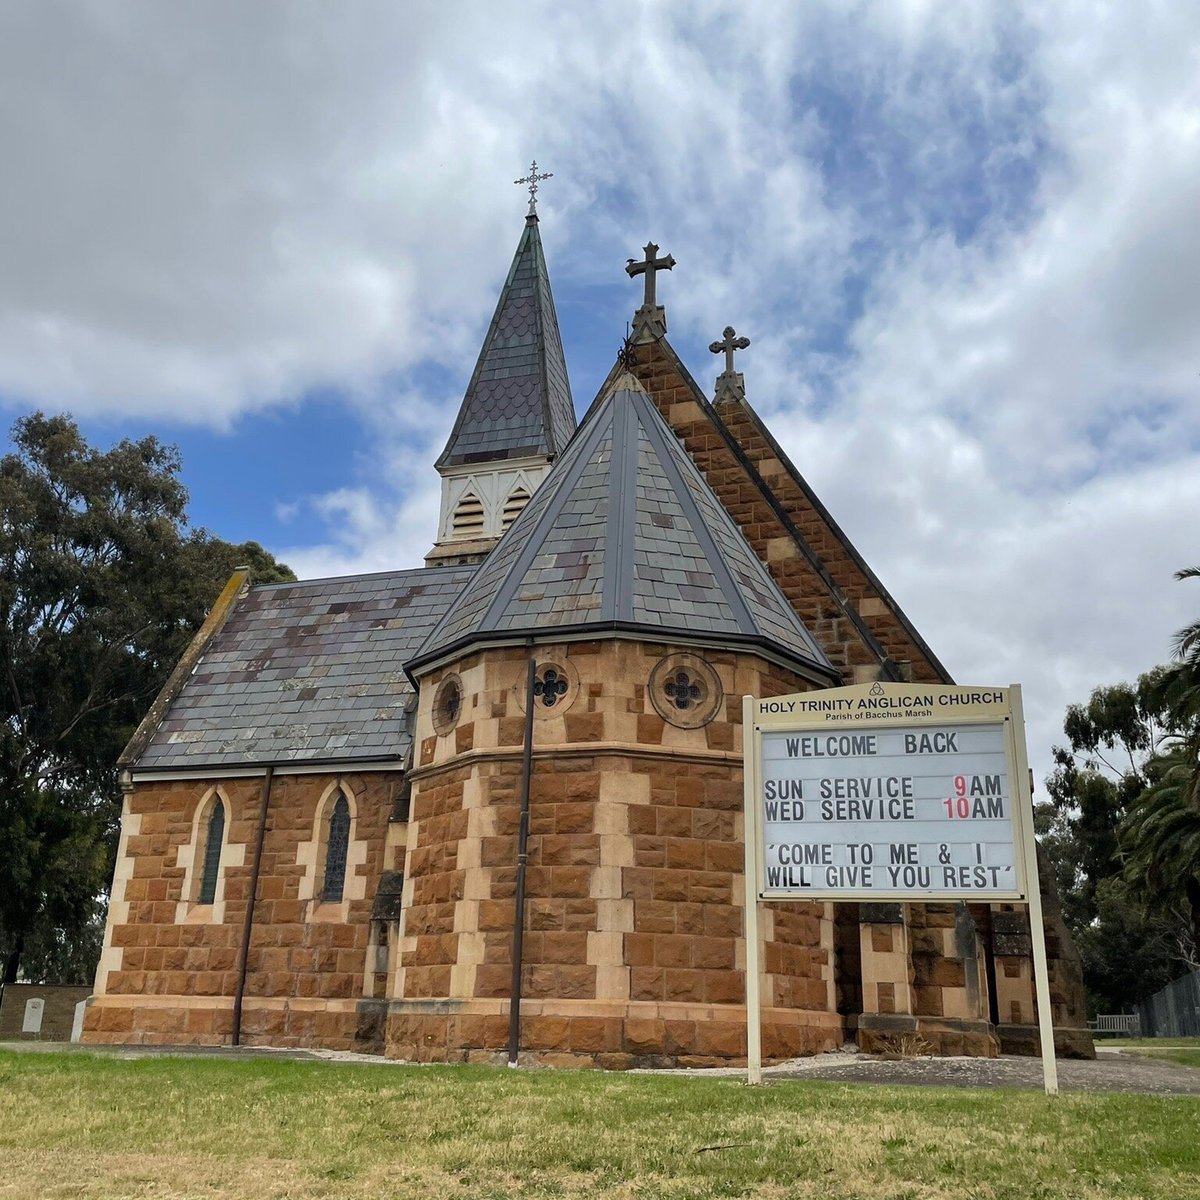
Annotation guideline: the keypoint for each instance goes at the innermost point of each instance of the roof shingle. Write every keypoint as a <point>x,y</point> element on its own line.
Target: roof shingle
<point>624,533</point>
<point>518,402</point>
<point>306,671</point>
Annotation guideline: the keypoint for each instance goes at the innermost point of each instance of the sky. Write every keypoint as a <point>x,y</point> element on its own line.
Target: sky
<point>963,240</point>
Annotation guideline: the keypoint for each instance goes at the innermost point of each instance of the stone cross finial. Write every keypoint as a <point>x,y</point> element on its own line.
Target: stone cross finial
<point>730,383</point>
<point>729,345</point>
<point>648,267</point>
<point>532,179</point>
<point>650,321</point>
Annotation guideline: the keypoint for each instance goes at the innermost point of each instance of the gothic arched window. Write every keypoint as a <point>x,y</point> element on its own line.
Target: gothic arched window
<point>516,501</point>
<point>336,846</point>
<point>212,853</point>
<point>468,517</point>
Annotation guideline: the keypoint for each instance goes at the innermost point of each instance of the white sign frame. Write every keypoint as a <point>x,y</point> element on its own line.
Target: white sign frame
<point>893,706</point>
<point>1020,817</point>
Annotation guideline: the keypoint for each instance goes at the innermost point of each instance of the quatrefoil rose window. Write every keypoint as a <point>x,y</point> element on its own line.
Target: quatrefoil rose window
<point>550,686</point>
<point>555,687</point>
<point>447,704</point>
<point>685,690</point>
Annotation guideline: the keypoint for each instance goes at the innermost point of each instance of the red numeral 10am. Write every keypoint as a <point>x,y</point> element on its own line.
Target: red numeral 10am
<point>958,805</point>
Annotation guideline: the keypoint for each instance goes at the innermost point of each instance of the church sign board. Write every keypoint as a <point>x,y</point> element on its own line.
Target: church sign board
<point>889,792</point>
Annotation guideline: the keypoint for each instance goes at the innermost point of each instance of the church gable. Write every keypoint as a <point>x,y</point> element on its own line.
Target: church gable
<point>837,596</point>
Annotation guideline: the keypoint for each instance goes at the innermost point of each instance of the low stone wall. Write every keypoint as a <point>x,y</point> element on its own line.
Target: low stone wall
<point>57,1016</point>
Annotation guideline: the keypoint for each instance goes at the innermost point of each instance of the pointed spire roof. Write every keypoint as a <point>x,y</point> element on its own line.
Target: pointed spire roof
<point>518,403</point>
<point>624,535</point>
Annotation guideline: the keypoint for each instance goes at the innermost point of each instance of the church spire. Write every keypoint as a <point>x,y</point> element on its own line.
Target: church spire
<point>517,414</point>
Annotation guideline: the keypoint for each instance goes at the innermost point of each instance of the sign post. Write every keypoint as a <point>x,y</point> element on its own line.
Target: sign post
<point>753,998</point>
<point>901,792</point>
<point>1037,930</point>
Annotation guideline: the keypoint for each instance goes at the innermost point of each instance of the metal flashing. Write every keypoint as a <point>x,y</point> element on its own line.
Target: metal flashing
<point>219,771</point>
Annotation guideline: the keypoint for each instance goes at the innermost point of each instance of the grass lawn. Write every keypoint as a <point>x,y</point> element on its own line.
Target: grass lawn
<point>1122,1042</point>
<point>1185,1051</point>
<point>74,1125</point>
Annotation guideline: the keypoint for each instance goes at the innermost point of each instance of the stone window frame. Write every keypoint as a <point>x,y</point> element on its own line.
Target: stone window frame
<point>566,670</point>
<point>191,856</point>
<point>699,670</point>
<point>445,722</point>
<point>312,854</point>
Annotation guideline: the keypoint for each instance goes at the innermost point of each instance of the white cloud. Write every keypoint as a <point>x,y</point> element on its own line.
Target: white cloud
<point>962,239</point>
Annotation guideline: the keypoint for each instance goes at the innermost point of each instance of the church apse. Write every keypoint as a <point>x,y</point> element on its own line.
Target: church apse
<point>633,950</point>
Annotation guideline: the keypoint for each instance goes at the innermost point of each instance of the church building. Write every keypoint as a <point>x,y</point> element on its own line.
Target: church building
<point>322,809</point>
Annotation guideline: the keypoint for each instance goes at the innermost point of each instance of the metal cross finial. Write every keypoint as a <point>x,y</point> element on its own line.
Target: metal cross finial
<point>729,345</point>
<point>648,267</point>
<point>627,355</point>
<point>532,179</point>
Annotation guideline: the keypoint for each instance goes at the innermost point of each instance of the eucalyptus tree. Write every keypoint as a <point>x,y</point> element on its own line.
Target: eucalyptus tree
<point>102,584</point>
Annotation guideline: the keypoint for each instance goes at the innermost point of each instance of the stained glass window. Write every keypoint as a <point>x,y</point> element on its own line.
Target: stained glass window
<point>683,690</point>
<point>212,853</point>
<point>335,851</point>
<point>550,686</point>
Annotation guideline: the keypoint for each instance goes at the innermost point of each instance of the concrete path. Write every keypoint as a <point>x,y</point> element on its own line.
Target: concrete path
<point>1111,1071</point>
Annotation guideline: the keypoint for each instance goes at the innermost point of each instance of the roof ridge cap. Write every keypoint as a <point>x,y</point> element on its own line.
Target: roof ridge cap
<point>626,381</point>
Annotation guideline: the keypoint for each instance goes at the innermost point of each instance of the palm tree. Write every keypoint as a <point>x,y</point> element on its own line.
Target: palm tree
<point>1161,836</point>
<point>1161,832</point>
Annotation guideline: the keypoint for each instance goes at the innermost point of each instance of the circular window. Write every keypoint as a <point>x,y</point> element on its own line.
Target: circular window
<point>685,690</point>
<point>447,704</point>
<point>555,686</point>
<point>549,686</point>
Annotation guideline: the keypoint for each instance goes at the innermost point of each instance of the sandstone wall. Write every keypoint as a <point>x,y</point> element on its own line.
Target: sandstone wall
<point>169,969</point>
<point>634,949</point>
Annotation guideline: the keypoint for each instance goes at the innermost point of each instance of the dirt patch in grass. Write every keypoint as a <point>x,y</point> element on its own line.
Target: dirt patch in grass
<point>75,1126</point>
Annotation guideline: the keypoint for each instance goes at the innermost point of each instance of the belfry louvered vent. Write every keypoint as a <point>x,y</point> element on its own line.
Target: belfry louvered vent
<point>468,517</point>
<point>512,507</point>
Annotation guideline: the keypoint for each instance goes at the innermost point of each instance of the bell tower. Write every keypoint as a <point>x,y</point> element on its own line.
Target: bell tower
<point>516,416</point>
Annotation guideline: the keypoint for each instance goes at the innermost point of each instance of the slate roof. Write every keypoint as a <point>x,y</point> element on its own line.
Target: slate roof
<point>624,534</point>
<point>306,672</point>
<point>518,403</point>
